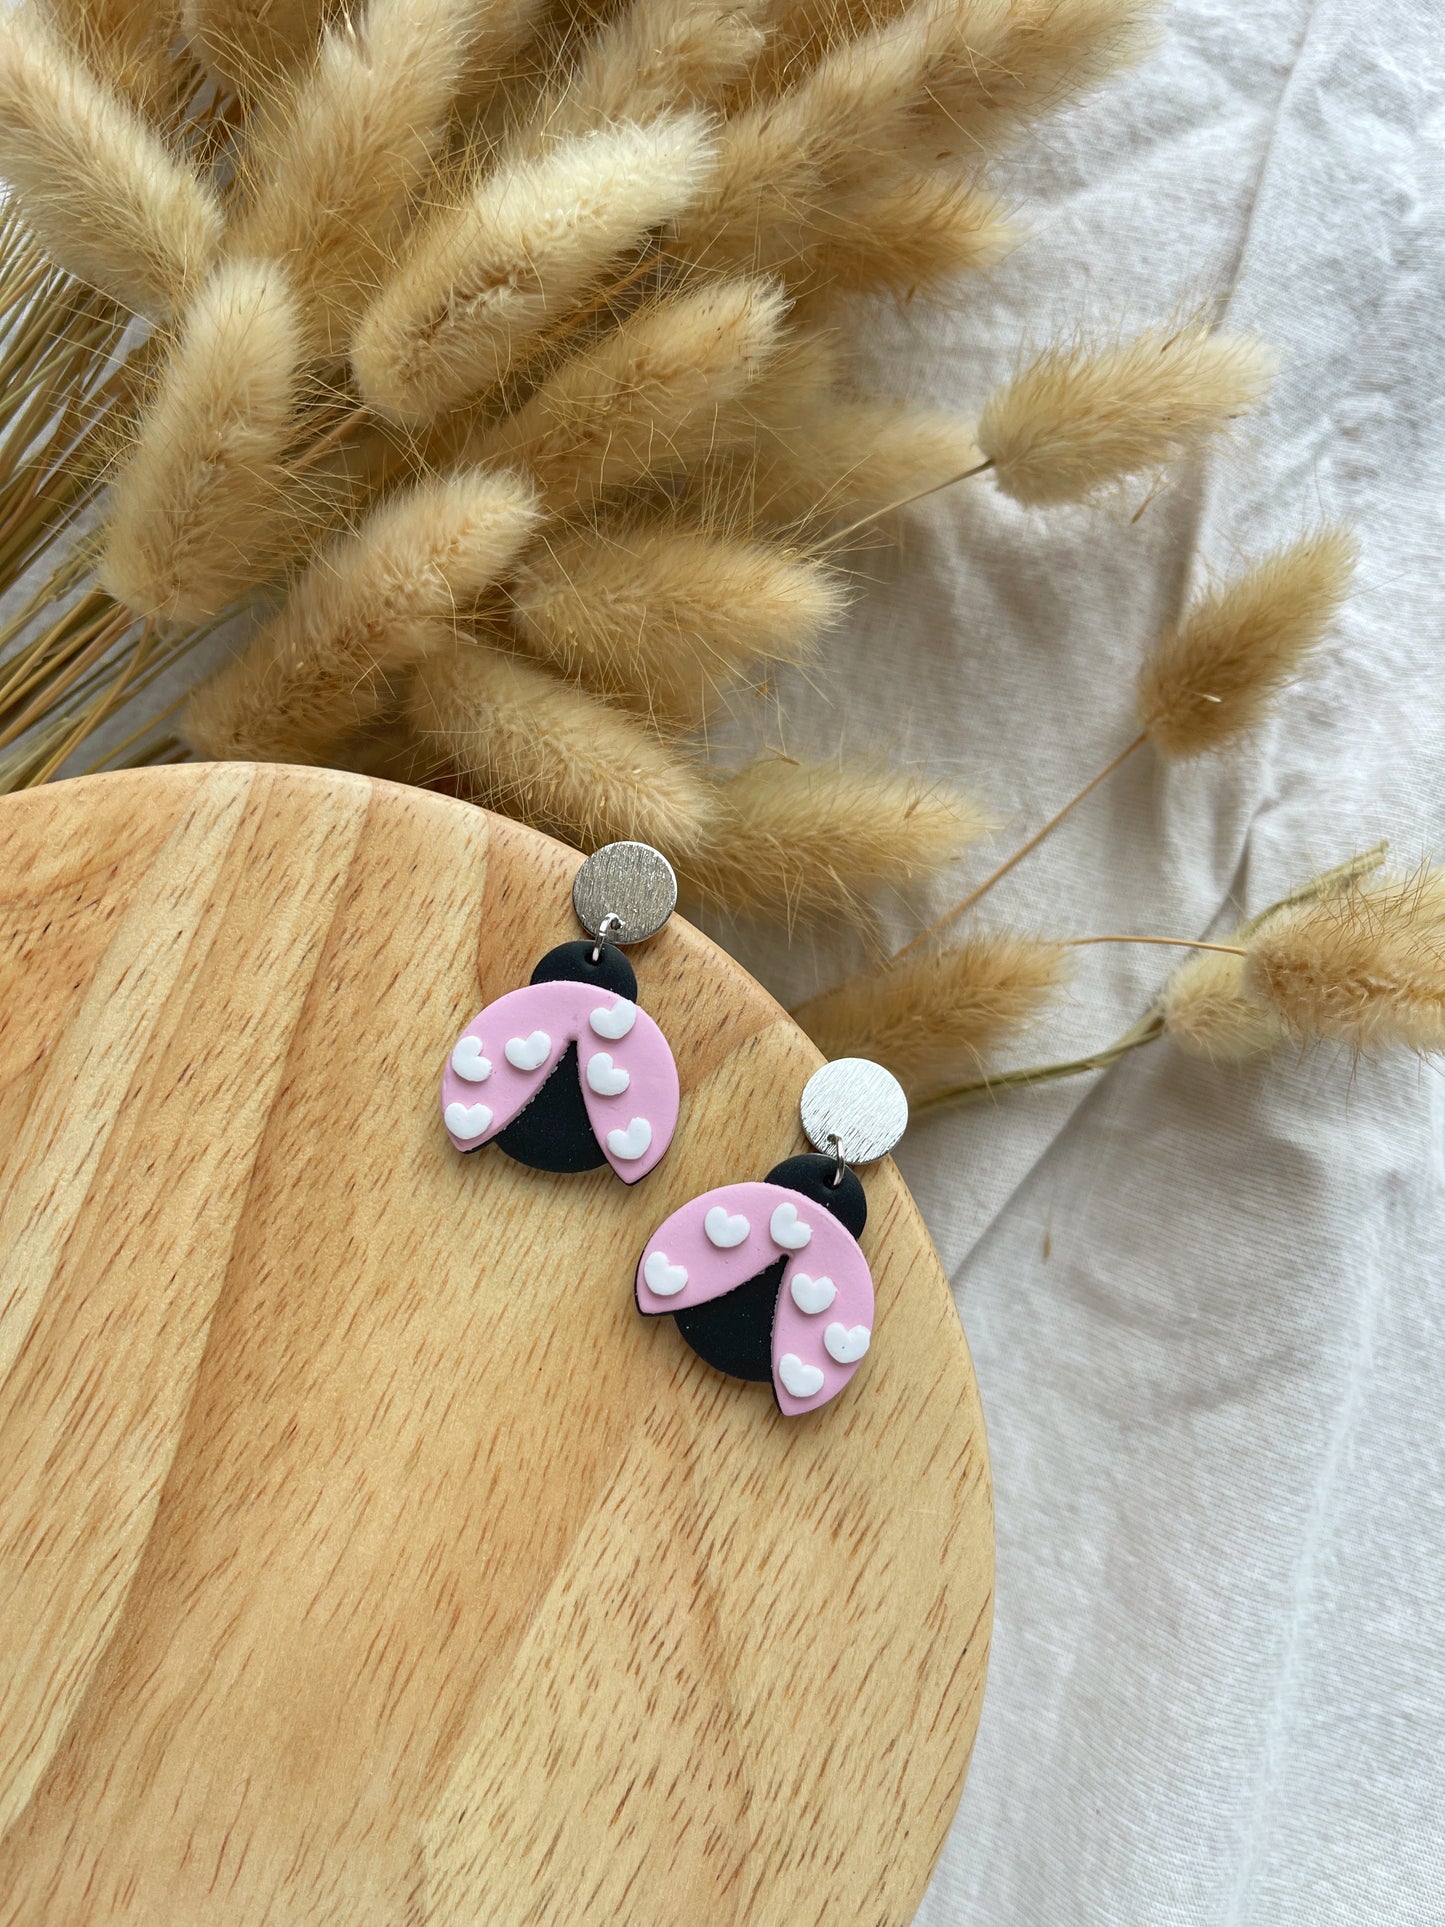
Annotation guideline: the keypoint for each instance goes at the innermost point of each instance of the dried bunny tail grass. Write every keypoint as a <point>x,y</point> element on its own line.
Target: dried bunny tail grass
<point>94,181</point>
<point>500,57</point>
<point>365,611</point>
<point>1079,419</point>
<point>660,619</point>
<point>782,159</point>
<point>333,167</point>
<point>913,237</point>
<point>1207,1013</point>
<point>797,379</point>
<point>193,513</point>
<point>855,458</point>
<point>249,44</point>
<point>645,400</point>
<point>940,1013</point>
<point>1026,57</point>
<point>654,58</point>
<point>554,756</point>
<point>945,76</point>
<point>811,840</point>
<point>1212,676</point>
<point>802,32</point>
<point>1000,65</point>
<point>524,246</point>
<point>1365,968</point>
<point>126,42</point>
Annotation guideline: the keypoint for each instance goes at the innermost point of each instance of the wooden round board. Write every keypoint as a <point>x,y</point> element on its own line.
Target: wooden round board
<point>364,1557</point>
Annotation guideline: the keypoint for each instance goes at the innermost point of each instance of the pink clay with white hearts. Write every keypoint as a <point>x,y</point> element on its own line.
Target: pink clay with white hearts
<point>625,1065</point>
<point>721,1239</point>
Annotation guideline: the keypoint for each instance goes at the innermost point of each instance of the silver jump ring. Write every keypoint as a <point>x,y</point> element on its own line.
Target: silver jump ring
<point>839,1165</point>
<point>604,929</point>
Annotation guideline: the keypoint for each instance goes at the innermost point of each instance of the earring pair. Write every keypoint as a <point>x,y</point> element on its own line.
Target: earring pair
<point>765,1279</point>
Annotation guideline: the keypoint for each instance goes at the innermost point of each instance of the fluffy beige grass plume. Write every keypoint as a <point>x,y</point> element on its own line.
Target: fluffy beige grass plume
<point>249,44</point>
<point>503,55</point>
<point>367,609</point>
<point>943,77</point>
<point>840,457</point>
<point>812,840</point>
<point>654,57</point>
<point>1079,419</point>
<point>1000,65</point>
<point>1208,1013</point>
<point>331,168</point>
<point>127,42</point>
<point>1365,968</point>
<point>523,742</point>
<point>1027,57</point>
<point>646,398</point>
<point>939,1014</point>
<point>784,158</point>
<point>1214,674</point>
<point>194,511</point>
<point>914,236</point>
<point>98,187</point>
<point>523,247</point>
<point>663,619</point>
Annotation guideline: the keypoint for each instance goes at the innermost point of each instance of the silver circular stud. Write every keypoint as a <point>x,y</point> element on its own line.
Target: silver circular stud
<point>624,892</point>
<point>854,1110</point>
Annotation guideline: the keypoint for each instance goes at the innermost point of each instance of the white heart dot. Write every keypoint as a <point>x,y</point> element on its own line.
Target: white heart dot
<point>846,1343</point>
<point>616,1022</point>
<point>788,1229</point>
<point>467,1120</point>
<point>527,1053</point>
<point>812,1294</point>
<point>631,1144</point>
<point>725,1229</point>
<point>605,1077</point>
<point>468,1061</point>
<point>800,1379</point>
<point>663,1277</point>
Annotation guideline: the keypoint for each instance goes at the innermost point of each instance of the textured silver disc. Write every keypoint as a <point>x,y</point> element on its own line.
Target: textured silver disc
<point>630,882</point>
<point>856,1108</point>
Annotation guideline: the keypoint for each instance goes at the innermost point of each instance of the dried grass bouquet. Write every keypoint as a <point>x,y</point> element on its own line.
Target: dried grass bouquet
<point>477,367</point>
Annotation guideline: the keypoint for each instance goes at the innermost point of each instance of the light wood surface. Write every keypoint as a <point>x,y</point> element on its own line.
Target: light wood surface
<point>364,1557</point>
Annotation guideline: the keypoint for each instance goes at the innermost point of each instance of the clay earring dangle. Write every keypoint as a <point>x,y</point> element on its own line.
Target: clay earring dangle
<point>766,1280</point>
<point>568,1073</point>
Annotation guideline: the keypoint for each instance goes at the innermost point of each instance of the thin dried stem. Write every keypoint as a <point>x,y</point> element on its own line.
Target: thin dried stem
<point>1174,943</point>
<point>979,1090</point>
<point>907,501</point>
<point>965,904</point>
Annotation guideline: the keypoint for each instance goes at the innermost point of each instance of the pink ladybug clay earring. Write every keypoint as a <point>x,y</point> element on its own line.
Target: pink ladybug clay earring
<point>766,1280</point>
<point>567,1073</point>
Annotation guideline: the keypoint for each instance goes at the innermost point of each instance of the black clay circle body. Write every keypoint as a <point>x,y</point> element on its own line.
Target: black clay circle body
<point>734,1334</point>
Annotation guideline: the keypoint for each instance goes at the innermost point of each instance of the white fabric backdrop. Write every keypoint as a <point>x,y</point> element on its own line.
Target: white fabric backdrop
<point>1205,1305</point>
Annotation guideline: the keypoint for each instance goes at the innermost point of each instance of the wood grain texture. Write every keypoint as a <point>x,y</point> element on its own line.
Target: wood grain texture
<point>364,1557</point>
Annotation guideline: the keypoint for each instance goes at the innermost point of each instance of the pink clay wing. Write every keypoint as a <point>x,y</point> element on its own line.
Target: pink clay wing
<point>562,1011</point>
<point>831,1252</point>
